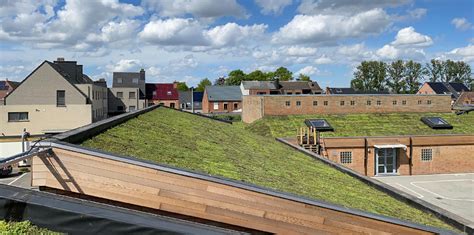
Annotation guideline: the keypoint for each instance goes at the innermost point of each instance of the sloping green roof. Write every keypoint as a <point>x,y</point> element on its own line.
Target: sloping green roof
<point>191,142</point>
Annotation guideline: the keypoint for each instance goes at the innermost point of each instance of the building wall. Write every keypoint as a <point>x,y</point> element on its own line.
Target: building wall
<point>252,108</point>
<point>276,104</point>
<point>40,88</point>
<point>208,106</point>
<point>451,154</point>
<point>166,103</point>
<point>426,90</point>
<point>114,101</point>
<point>99,99</point>
<point>45,118</point>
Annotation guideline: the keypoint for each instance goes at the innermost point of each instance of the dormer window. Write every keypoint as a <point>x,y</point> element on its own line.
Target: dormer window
<point>119,80</point>
<point>168,92</point>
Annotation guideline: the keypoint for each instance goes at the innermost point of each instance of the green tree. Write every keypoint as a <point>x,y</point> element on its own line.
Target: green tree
<point>413,76</point>
<point>182,86</point>
<point>304,77</point>
<point>395,80</point>
<point>235,77</point>
<point>202,84</point>
<point>256,75</point>
<point>220,81</point>
<point>370,76</point>
<point>435,70</point>
<point>457,72</point>
<point>282,74</point>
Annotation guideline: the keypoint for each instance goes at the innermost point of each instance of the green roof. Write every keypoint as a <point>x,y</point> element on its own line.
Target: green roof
<point>191,142</point>
<point>365,124</point>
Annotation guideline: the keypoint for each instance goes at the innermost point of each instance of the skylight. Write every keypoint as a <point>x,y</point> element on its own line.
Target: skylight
<point>319,124</point>
<point>436,123</point>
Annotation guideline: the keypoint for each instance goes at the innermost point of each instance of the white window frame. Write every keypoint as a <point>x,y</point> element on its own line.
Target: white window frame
<point>216,105</point>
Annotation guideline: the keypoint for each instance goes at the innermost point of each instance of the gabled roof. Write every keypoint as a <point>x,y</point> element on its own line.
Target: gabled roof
<point>223,93</point>
<point>60,72</point>
<point>453,88</point>
<point>297,85</point>
<point>261,85</point>
<point>161,91</point>
<point>185,96</point>
<point>466,95</point>
<point>72,78</point>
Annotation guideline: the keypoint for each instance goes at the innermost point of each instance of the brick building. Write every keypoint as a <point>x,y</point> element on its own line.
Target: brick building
<point>163,93</point>
<point>350,91</point>
<point>6,87</point>
<point>279,87</point>
<point>256,107</point>
<point>451,88</point>
<point>465,99</point>
<point>222,99</point>
<point>402,155</point>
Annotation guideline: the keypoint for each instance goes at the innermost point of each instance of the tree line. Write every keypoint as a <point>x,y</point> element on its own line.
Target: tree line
<point>406,77</point>
<point>235,77</point>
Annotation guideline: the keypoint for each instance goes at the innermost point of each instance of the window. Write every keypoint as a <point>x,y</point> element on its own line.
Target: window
<point>315,103</point>
<point>287,103</point>
<point>119,108</point>
<point>119,94</point>
<point>131,108</point>
<point>216,106</point>
<point>135,80</point>
<point>326,103</point>
<point>353,102</point>
<point>369,103</point>
<point>379,102</point>
<point>119,80</point>
<point>225,106</point>
<point>60,98</point>
<point>298,103</point>
<point>289,93</point>
<point>342,103</point>
<point>236,106</point>
<point>319,124</point>
<point>436,123</point>
<point>172,105</point>
<point>154,93</point>
<point>426,155</point>
<point>345,157</point>
<point>18,117</point>
<point>419,101</point>
<point>428,102</point>
<point>131,95</point>
<point>394,102</point>
<point>168,92</point>
<point>404,102</point>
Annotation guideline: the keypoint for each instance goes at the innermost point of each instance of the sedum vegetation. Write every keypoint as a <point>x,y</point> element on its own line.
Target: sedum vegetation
<point>19,228</point>
<point>364,124</point>
<point>191,142</point>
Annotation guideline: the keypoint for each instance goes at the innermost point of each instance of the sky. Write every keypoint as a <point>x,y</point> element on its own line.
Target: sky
<point>188,40</point>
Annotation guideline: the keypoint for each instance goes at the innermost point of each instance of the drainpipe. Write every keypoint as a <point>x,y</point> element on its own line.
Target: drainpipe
<point>192,99</point>
<point>366,155</point>
<point>411,156</point>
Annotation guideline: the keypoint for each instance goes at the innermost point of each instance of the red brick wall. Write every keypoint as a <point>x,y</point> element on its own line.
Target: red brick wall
<point>426,90</point>
<point>166,103</point>
<point>451,154</point>
<point>276,104</point>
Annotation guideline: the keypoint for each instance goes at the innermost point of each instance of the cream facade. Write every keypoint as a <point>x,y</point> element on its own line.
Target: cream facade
<point>49,101</point>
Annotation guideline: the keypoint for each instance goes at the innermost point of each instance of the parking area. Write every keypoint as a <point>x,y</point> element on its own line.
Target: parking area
<point>17,178</point>
<point>452,192</point>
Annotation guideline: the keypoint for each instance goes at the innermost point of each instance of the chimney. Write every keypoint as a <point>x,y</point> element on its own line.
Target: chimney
<point>175,85</point>
<point>142,74</point>
<point>60,59</point>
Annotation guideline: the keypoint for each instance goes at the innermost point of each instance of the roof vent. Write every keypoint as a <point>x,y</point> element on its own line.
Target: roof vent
<point>319,124</point>
<point>436,123</point>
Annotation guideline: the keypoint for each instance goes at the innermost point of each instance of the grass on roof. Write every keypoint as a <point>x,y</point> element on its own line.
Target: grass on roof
<point>364,124</point>
<point>24,227</point>
<point>211,147</point>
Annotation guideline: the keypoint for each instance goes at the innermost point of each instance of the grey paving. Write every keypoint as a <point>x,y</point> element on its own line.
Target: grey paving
<point>452,192</point>
<point>17,179</point>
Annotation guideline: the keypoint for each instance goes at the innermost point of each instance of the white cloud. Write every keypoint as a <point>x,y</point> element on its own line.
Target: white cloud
<point>298,51</point>
<point>345,6</point>
<point>125,65</point>
<point>273,6</point>
<point>197,8</point>
<point>323,60</point>
<point>417,13</point>
<point>408,37</point>
<point>463,53</point>
<point>388,51</point>
<point>115,31</point>
<point>189,32</point>
<point>461,24</point>
<point>308,70</point>
<point>328,28</point>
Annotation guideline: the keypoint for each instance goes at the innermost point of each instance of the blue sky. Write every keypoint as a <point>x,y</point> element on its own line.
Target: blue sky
<point>187,40</point>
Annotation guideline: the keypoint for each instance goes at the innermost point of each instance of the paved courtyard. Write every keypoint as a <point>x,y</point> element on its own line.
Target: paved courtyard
<point>17,179</point>
<point>452,192</point>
